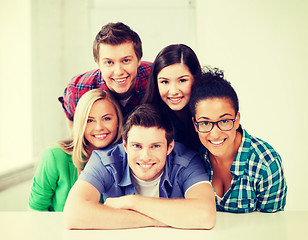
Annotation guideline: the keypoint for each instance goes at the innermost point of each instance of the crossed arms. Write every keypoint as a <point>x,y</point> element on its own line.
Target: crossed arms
<point>83,210</point>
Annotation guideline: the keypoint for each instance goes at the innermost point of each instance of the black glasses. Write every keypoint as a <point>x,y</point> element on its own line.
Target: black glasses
<point>223,125</point>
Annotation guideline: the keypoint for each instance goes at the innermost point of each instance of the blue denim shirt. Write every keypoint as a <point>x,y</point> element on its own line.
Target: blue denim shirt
<point>108,171</point>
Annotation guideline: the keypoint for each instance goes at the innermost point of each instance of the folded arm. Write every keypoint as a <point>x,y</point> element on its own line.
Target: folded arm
<point>83,211</point>
<point>196,211</point>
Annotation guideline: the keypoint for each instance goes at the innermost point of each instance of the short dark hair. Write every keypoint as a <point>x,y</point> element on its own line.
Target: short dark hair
<point>212,85</point>
<point>147,115</point>
<point>115,34</point>
<point>172,54</point>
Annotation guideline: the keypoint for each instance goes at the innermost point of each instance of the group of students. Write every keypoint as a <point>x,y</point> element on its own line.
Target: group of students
<point>154,144</point>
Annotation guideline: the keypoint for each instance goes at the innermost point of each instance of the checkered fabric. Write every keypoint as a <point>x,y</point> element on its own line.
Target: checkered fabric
<point>80,84</point>
<point>258,182</point>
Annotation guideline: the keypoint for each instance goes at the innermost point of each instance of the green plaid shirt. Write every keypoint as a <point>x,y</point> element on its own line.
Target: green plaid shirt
<point>258,182</point>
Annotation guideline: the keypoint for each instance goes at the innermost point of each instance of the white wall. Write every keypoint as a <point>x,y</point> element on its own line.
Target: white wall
<point>15,85</point>
<point>262,46</point>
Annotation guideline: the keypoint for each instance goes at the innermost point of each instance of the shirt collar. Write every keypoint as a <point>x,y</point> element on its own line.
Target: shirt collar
<point>239,163</point>
<point>178,156</point>
<point>126,178</point>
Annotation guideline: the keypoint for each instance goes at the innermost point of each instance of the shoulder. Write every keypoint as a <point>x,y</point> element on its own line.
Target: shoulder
<point>144,69</point>
<point>263,150</point>
<point>55,153</point>
<point>111,155</point>
<point>145,65</point>
<point>182,155</point>
<point>87,77</point>
<point>262,156</point>
<point>54,159</point>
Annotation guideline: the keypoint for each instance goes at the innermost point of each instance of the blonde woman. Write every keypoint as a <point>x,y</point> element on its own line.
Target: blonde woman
<point>97,124</point>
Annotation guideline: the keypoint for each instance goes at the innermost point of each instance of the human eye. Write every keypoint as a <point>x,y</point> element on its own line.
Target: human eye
<point>89,120</point>
<point>225,121</point>
<point>137,146</point>
<point>183,80</point>
<point>107,118</point>
<point>107,62</point>
<point>156,146</point>
<point>164,82</point>
<point>226,124</point>
<point>204,126</point>
<point>126,60</point>
<point>204,123</point>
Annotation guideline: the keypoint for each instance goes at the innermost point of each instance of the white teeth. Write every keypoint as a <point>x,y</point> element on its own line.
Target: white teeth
<point>100,136</point>
<point>175,100</point>
<point>145,165</point>
<point>217,142</point>
<point>119,79</point>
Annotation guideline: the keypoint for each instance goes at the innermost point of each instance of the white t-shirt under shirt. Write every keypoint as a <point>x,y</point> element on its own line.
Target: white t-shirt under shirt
<point>146,188</point>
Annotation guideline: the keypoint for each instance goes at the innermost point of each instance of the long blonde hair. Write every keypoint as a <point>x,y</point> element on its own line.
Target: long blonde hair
<point>78,145</point>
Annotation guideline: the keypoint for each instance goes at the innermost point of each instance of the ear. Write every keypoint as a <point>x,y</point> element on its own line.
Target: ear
<point>139,62</point>
<point>170,147</point>
<point>125,145</point>
<point>193,120</point>
<point>237,122</point>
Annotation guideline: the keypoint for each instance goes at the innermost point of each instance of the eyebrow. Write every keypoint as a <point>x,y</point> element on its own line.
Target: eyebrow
<point>128,56</point>
<point>101,116</point>
<point>135,142</point>
<point>221,116</point>
<point>186,75</point>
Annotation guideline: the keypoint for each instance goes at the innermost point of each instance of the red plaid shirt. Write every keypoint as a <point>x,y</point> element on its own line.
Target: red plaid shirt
<point>80,84</point>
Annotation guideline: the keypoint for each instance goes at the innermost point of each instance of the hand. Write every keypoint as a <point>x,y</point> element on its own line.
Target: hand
<point>119,202</point>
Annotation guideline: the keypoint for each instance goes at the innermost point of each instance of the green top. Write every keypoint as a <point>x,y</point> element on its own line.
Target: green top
<point>53,179</point>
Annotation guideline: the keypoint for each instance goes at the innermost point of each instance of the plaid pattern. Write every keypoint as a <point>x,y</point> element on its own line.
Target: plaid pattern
<point>258,182</point>
<point>80,84</point>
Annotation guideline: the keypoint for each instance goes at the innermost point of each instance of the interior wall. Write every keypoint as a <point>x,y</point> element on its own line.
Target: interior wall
<point>59,51</point>
<point>262,47</point>
<point>15,82</point>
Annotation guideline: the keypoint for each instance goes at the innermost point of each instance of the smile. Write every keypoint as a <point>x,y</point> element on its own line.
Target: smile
<point>217,143</point>
<point>100,136</point>
<point>120,80</point>
<point>175,100</point>
<point>146,166</point>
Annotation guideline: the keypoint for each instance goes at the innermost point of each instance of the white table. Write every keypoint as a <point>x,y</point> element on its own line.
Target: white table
<point>261,226</point>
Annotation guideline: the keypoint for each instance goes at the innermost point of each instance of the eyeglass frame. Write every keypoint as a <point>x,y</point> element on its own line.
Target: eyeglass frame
<point>213,124</point>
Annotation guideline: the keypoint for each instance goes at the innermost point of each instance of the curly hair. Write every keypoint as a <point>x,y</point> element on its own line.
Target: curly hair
<point>212,84</point>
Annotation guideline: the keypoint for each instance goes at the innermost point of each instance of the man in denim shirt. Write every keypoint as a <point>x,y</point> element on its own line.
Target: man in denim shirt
<point>147,181</point>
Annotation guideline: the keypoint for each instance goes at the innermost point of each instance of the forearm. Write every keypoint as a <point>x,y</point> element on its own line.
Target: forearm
<point>93,215</point>
<point>178,213</point>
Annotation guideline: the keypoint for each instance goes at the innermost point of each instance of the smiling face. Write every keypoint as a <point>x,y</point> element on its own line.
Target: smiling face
<point>102,124</point>
<point>118,65</point>
<point>147,151</point>
<point>219,143</point>
<point>174,84</point>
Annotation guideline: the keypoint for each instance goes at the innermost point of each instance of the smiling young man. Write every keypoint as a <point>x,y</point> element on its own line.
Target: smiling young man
<point>149,180</point>
<point>117,50</point>
<point>246,172</point>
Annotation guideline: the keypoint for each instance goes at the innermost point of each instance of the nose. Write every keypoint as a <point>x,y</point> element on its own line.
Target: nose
<point>118,69</point>
<point>215,132</point>
<point>145,154</point>
<point>173,89</point>
<point>99,125</point>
